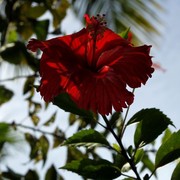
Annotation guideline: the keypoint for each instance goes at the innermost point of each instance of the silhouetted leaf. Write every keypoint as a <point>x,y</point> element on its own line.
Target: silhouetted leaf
<point>168,151</point>
<point>87,138</point>
<point>41,29</point>
<point>101,169</point>
<point>5,95</point>
<point>31,175</point>
<point>64,102</point>
<point>10,174</point>
<point>119,160</point>
<point>13,53</point>
<point>51,173</point>
<point>152,122</point>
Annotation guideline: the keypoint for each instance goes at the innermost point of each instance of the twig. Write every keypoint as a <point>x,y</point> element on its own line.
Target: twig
<point>38,130</point>
<point>123,151</point>
<point>19,77</point>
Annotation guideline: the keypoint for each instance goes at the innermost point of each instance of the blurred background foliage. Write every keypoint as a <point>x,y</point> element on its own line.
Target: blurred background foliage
<point>22,19</point>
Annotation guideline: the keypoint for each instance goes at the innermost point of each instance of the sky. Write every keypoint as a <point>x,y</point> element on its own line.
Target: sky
<point>161,91</point>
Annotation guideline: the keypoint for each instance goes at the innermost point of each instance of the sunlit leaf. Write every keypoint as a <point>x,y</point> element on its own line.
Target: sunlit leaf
<point>166,135</point>
<point>50,120</point>
<point>168,151</point>
<point>59,12</point>
<point>12,36</point>
<point>176,173</point>
<point>87,138</point>
<point>5,95</point>
<point>43,147</point>
<point>72,119</point>
<point>28,85</point>
<point>152,122</point>
<point>101,169</point>
<point>35,11</point>
<point>35,119</point>
<point>138,155</point>
<point>124,34</point>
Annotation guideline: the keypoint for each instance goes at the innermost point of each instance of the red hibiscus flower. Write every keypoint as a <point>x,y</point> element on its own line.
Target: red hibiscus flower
<point>94,66</point>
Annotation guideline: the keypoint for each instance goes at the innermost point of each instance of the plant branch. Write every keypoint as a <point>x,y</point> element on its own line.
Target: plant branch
<point>61,136</point>
<point>125,118</point>
<point>123,151</point>
<point>19,77</point>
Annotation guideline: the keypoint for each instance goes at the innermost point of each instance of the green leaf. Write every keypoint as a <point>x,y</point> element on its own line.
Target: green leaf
<point>124,34</point>
<point>5,134</point>
<point>168,151</point>
<point>31,175</point>
<point>139,155</point>
<point>51,173</point>
<point>119,160</point>
<point>147,164</point>
<point>50,120</point>
<point>74,153</point>
<point>28,85</point>
<point>57,140</point>
<point>35,11</point>
<point>10,174</point>
<point>13,53</point>
<point>5,95</point>
<point>64,102</point>
<point>176,173</point>
<point>43,147</point>
<point>101,169</point>
<point>41,29</point>
<point>167,134</point>
<point>152,122</point>
<point>87,138</point>
<point>59,12</point>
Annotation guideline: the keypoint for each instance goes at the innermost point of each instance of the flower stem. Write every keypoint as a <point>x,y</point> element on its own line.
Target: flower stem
<point>125,118</point>
<point>123,151</point>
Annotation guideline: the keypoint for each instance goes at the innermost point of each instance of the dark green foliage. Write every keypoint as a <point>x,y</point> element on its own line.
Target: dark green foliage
<point>169,150</point>
<point>64,102</point>
<point>100,170</point>
<point>86,138</point>
<point>5,95</point>
<point>152,122</point>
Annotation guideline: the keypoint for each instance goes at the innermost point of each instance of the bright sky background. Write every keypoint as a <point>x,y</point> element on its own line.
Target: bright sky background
<point>162,91</point>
